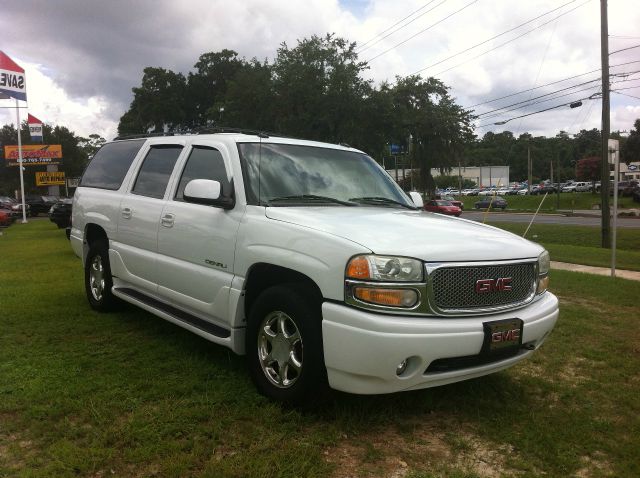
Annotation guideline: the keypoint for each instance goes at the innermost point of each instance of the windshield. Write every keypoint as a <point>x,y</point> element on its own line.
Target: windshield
<point>286,174</point>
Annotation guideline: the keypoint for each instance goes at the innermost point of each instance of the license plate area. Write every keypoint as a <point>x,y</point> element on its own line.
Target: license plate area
<point>502,337</point>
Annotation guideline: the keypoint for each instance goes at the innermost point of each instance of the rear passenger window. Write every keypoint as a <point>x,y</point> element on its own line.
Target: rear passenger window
<point>203,163</point>
<point>156,170</point>
<point>110,164</point>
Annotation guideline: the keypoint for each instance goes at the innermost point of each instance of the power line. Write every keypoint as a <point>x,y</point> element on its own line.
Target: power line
<point>536,112</point>
<point>625,94</point>
<point>547,84</point>
<point>494,37</point>
<point>624,49</point>
<point>512,40</point>
<point>363,48</point>
<point>421,31</point>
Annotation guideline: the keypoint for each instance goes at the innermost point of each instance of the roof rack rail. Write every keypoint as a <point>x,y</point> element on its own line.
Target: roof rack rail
<point>145,135</point>
<point>227,129</point>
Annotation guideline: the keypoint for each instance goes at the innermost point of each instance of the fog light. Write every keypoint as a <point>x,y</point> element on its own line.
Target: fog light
<point>389,297</point>
<point>402,367</point>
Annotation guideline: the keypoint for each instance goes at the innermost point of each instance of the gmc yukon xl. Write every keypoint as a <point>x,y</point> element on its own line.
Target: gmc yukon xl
<point>308,258</point>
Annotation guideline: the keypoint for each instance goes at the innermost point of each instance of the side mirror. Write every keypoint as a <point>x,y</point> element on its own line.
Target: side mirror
<point>209,192</point>
<point>417,199</point>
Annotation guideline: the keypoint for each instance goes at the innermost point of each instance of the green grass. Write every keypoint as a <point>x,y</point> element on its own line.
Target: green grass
<point>581,244</point>
<point>568,201</point>
<point>127,394</point>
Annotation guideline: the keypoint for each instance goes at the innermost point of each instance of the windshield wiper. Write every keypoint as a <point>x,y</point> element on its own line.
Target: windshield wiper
<point>312,198</point>
<point>378,200</point>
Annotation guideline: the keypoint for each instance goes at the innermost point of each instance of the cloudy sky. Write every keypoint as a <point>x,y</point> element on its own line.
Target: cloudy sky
<point>83,57</point>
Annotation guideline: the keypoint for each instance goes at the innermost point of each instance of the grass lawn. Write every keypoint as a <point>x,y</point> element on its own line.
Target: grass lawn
<point>581,244</point>
<point>127,394</point>
<point>568,201</point>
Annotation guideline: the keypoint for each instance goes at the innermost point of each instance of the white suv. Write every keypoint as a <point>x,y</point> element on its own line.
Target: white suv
<point>309,259</point>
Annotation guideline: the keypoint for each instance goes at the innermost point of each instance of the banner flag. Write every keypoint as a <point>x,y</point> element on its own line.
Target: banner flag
<point>12,79</point>
<point>35,128</point>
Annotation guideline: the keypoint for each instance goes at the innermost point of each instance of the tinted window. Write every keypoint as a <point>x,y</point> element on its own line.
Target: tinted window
<point>110,164</point>
<point>156,170</point>
<point>203,163</point>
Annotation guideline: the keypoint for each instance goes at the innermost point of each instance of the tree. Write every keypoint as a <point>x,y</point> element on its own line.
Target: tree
<point>430,120</point>
<point>589,169</point>
<point>158,103</point>
<point>631,148</point>
<point>91,144</point>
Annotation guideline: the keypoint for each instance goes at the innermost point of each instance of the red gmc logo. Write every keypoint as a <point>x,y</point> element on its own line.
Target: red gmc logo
<point>502,284</point>
<point>506,336</point>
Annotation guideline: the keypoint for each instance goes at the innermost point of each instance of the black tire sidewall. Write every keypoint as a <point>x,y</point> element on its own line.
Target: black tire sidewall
<point>305,310</point>
<point>107,302</point>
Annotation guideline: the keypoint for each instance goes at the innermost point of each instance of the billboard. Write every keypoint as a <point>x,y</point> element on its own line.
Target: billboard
<point>34,154</point>
<point>50,178</point>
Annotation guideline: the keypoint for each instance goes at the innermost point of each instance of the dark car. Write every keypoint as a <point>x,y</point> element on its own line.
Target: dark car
<point>636,194</point>
<point>60,213</point>
<point>442,207</point>
<point>496,202</point>
<point>14,206</point>
<point>546,189</point>
<point>40,204</point>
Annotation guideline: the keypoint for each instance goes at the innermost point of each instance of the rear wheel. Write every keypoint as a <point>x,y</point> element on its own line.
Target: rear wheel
<point>284,344</point>
<point>97,277</point>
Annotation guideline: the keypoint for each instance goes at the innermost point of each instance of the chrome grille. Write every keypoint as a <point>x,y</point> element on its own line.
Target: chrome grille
<point>454,288</point>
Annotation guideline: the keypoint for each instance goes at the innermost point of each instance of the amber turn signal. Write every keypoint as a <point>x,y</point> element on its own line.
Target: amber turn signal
<point>358,268</point>
<point>387,297</point>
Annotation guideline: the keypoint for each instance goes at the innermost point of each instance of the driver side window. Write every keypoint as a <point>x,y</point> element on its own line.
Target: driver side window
<point>203,163</point>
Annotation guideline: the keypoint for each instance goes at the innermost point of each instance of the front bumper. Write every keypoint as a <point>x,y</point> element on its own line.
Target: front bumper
<point>363,349</point>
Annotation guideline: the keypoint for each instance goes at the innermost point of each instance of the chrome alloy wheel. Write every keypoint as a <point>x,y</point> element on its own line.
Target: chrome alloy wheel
<point>96,278</point>
<point>280,349</point>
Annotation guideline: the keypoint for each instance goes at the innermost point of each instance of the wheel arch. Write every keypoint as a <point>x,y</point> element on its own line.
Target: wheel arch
<point>263,275</point>
<point>92,233</point>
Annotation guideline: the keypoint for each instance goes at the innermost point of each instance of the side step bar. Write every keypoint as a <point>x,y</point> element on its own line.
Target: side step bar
<point>173,312</point>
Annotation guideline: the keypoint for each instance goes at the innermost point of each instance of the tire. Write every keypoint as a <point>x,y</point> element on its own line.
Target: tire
<point>286,320</point>
<point>97,278</point>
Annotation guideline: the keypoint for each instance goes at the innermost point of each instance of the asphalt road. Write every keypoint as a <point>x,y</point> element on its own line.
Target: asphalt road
<point>630,223</point>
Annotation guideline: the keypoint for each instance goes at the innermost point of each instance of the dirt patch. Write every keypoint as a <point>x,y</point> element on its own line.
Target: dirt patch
<point>430,449</point>
<point>596,465</point>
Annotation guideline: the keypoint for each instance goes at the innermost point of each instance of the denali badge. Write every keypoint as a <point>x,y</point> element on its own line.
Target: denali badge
<point>502,284</point>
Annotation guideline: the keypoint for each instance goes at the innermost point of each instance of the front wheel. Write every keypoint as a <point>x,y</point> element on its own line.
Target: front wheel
<point>284,344</point>
<point>97,278</point>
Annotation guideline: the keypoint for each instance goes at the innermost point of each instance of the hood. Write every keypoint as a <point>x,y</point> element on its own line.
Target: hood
<point>420,234</point>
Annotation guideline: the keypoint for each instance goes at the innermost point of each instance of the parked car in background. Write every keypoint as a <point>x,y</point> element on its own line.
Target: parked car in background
<point>40,204</point>
<point>583,187</point>
<point>636,194</point>
<point>14,206</point>
<point>546,189</point>
<point>451,199</point>
<point>6,218</point>
<point>627,188</point>
<point>60,213</point>
<point>495,202</point>
<point>442,207</point>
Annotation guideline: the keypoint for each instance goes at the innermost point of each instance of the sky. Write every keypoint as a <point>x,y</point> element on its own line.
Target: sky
<point>83,57</point>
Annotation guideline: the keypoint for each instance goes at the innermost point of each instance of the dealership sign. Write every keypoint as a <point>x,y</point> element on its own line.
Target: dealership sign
<point>12,79</point>
<point>35,128</point>
<point>50,178</point>
<point>34,154</point>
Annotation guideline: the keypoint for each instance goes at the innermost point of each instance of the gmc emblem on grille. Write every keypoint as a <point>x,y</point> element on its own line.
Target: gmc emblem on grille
<point>502,284</point>
<point>506,336</point>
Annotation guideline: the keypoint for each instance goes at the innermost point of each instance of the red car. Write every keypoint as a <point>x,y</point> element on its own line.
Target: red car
<point>452,200</point>
<point>5,218</point>
<point>442,207</point>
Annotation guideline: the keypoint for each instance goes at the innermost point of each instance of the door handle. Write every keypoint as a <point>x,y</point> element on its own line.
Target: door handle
<point>126,213</point>
<point>167,220</point>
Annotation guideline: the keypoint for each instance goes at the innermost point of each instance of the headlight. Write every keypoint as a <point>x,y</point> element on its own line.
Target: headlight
<point>544,264</point>
<point>385,268</point>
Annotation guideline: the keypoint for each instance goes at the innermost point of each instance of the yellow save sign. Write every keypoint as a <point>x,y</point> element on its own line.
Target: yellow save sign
<point>50,178</point>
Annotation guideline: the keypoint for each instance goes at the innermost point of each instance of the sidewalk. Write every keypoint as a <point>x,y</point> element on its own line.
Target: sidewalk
<point>602,271</point>
<point>596,212</point>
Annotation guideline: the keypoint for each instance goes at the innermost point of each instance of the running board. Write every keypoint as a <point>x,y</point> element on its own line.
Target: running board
<point>173,312</point>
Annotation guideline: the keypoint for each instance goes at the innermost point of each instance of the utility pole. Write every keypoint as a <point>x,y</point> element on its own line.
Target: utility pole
<point>530,178</point>
<point>604,180</point>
